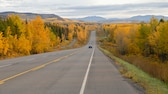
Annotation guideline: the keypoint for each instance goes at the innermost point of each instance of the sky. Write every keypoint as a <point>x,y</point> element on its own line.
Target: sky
<point>83,8</point>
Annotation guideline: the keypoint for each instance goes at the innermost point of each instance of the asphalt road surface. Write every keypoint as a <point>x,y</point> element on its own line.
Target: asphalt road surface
<point>76,71</point>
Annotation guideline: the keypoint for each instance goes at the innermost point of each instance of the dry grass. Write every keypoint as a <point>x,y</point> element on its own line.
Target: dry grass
<point>150,66</point>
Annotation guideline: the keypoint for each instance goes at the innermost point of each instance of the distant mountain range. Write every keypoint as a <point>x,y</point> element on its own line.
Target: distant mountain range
<point>30,16</point>
<point>56,18</point>
<point>139,18</point>
<point>146,18</point>
<point>91,19</point>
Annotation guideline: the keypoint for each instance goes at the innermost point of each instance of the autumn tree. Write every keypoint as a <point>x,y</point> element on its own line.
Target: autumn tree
<point>4,46</point>
<point>23,45</point>
<point>3,25</point>
<point>40,38</point>
<point>81,34</point>
<point>133,40</point>
<point>1,44</point>
<point>71,28</point>
<point>16,24</point>
<point>8,47</point>
<point>163,41</point>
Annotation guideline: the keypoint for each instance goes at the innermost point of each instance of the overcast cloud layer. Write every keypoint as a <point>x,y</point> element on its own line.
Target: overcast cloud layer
<point>82,8</point>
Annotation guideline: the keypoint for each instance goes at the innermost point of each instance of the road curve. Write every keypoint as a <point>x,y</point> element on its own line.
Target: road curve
<point>63,72</point>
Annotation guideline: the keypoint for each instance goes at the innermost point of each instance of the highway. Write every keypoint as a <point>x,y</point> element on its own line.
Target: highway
<point>76,71</point>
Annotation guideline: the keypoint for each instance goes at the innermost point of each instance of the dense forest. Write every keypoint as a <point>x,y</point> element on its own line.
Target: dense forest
<point>23,37</point>
<point>144,45</point>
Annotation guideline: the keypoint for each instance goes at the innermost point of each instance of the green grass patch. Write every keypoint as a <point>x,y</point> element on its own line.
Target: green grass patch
<point>150,84</point>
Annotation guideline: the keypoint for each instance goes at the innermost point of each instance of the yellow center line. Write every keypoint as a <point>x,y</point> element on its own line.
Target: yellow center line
<point>35,68</point>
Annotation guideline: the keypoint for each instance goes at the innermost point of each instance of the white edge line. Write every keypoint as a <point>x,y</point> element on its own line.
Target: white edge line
<point>5,65</point>
<point>86,75</point>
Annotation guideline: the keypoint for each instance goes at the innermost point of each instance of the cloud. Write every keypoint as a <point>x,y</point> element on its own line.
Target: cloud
<point>142,8</point>
<point>73,8</point>
<point>117,7</point>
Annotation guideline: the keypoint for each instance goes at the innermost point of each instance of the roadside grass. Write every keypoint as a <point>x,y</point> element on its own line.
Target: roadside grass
<point>150,84</point>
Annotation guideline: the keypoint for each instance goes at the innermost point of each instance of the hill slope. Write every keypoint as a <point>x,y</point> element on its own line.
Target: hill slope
<point>31,16</point>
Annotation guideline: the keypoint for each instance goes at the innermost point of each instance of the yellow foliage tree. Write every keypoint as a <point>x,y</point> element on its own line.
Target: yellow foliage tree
<point>163,41</point>
<point>5,46</point>
<point>18,25</point>
<point>8,43</point>
<point>23,45</point>
<point>1,43</point>
<point>41,40</point>
<point>71,28</point>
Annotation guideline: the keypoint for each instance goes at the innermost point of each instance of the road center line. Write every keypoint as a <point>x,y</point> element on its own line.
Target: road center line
<point>86,75</point>
<point>35,68</point>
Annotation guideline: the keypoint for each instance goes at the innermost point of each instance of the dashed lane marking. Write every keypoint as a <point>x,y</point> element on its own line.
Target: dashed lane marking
<point>35,68</point>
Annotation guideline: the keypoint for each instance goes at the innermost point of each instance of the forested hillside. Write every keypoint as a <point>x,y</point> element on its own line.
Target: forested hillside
<point>22,37</point>
<point>144,45</point>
